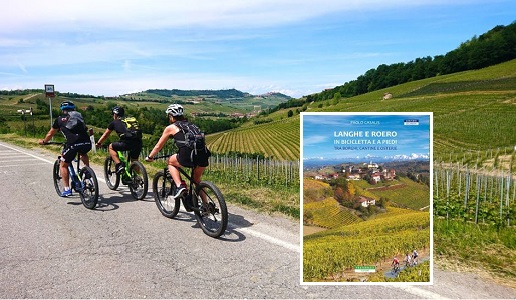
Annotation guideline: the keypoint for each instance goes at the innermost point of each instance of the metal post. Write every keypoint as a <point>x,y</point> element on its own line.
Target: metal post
<point>50,103</point>
<point>33,127</point>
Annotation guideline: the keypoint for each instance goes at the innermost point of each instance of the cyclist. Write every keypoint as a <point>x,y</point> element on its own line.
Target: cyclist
<point>407,260</point>
<point>175,113</point>
<point>414,257</point>
<point>72,126</point>
<point>133,144</point>
<point>395,263</point>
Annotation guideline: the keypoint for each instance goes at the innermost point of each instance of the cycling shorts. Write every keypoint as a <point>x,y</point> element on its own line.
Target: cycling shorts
<point>70,151</point>
<point>133,146</point>
<point>187,158</point>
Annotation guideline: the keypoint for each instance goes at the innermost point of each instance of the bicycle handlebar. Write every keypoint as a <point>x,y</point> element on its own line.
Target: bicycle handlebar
<point>54,143</point>
<point>162,156</point>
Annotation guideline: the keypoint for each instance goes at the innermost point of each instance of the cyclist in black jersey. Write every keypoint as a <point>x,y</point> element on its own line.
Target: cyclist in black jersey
<point>184,157</point>
<point>77,140</point>
<point>132,144</point>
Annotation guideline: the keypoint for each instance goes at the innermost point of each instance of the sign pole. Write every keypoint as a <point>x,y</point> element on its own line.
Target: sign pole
<point>50,104</point>
<point>50,92</point>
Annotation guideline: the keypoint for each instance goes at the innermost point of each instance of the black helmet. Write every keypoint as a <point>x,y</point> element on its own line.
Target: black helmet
<point>67,105</point>
<point>119,111</point>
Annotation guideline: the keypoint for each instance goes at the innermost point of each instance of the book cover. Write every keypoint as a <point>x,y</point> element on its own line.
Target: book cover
<point>366,198</point>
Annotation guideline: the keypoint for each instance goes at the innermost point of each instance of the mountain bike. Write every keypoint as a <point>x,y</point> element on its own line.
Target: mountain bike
<point>203,198</point>
<point>84,182</point>
<point>395,269</point>
<point>134,176</point>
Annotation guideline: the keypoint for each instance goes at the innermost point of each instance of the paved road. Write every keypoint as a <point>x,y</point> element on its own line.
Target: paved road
<point>53,247</point>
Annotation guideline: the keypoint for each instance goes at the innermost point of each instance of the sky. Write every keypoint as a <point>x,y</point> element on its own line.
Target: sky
<point>296,47</point>
<point>366,137</point>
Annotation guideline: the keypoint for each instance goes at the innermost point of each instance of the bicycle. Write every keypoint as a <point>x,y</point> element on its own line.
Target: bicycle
<point>84,182</point>
<point>204,199</point>
<point>395,269</point>
<point>134,176</point>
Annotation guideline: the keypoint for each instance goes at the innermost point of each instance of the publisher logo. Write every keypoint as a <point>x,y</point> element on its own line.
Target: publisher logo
<point>365,269</point>
<point>411,122</point>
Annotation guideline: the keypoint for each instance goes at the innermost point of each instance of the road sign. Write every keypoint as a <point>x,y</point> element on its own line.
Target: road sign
<point>49,90</point>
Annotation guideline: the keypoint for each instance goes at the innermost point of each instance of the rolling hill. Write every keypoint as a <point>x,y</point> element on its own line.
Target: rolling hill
<point>474,113</point>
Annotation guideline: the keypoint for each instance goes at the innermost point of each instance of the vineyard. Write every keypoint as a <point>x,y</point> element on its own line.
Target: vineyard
<point>474,194</point>
<point>275,140</point>
<point>332,253</point>
<point>403,192</point>
<point>328,214</point>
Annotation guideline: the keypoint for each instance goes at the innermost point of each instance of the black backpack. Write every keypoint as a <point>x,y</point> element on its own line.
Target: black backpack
<point>194,137</point>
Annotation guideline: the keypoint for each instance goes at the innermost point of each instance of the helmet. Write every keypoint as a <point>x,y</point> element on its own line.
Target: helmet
<point>175,110</point>
<point>119,111</point>
<point>67,105</point>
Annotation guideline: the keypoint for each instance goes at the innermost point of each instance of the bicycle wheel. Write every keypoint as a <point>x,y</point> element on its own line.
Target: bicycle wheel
<point>162,187</point>
<point>58,180</point>
<point>112,178</point>
<point>213,214</point>
<point>139,181</point>
<point>90,192</point>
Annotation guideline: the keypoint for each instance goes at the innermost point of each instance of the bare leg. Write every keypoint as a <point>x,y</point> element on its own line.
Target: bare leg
<point>85,159</point>
<point>173,164</point>
<point>198,171</point>
<point>64,174</point>
<point>113,154</point>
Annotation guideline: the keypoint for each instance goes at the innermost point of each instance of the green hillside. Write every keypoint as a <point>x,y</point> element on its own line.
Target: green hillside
<point>210,102</point>
<point>474,112</point>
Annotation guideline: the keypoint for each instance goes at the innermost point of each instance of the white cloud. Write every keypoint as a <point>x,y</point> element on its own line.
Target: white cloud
<point>28,15</point>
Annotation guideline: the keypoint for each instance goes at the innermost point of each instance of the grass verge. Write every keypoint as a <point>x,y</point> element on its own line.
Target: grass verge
<point>463,246</point>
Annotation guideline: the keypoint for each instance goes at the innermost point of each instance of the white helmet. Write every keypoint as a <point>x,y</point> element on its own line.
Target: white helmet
<point>175,110</point>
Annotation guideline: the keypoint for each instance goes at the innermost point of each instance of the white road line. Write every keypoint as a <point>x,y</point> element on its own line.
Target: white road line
<point>40,158</point>
<point>13,160</point>
<point>18,165</point>
<point>270,239</point>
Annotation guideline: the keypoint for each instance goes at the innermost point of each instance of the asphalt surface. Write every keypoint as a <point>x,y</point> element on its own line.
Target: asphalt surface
<point>53,247</point>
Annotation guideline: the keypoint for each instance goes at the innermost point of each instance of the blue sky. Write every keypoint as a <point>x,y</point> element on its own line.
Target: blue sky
<point>296,47</point>
<point>365,137</point>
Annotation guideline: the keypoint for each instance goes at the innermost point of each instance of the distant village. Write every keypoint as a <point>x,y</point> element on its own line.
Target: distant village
<point>371,172</point>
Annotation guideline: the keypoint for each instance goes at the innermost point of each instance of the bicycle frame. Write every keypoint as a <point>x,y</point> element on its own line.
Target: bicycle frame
<point>127,165</point>
<point>74,177</point>
<point>87,187</point>
<point>191,188</point>
<point>203,198</point>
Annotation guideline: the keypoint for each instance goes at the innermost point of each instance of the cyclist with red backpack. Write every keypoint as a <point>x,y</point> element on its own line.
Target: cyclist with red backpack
<point>130,137</point>
<point>192,153</point>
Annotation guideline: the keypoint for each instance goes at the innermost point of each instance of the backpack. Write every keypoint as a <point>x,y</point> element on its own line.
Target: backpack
<point>194,137</point>
<point>75,122</point>
<point>132,129</point>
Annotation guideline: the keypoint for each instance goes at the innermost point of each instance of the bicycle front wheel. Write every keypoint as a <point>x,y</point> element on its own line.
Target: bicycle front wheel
<point>139,184</point>
<point>112,178</point>
<point>58,180</point>
<point>212,215</point>
<point>90,192</point>
<point>162,187</point>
